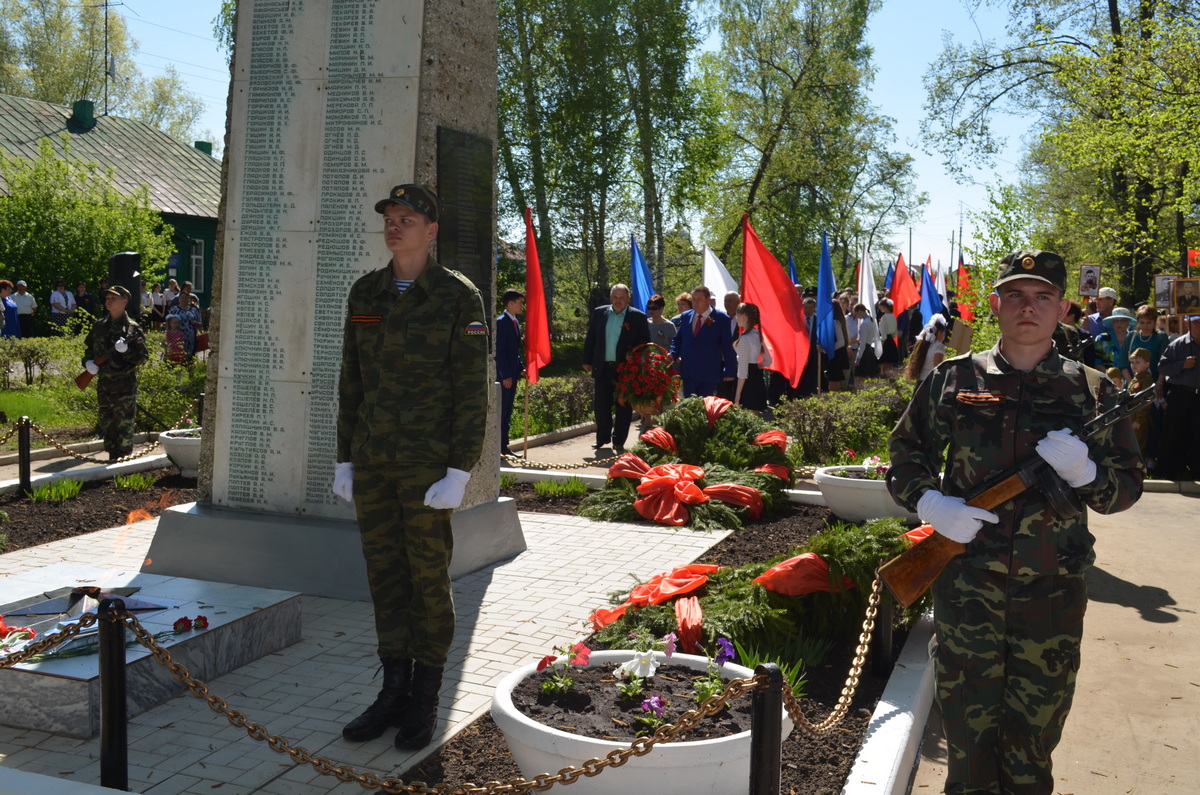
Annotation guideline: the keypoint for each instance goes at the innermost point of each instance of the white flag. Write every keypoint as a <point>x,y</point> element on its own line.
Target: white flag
<point>716,278</point>
<point>866,291</point>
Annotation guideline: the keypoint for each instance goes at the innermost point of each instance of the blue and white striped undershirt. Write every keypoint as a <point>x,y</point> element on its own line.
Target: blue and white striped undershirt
<point>403,284</point>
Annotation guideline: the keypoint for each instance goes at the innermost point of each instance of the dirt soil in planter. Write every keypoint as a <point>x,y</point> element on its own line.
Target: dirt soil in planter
<point>595,708</point>
<point>98,506</point>
<point>810,766</point>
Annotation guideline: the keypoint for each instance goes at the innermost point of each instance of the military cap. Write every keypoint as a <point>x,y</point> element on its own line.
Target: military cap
<point>1045,266</point>
<point>422,198</point>
<point>118,291</point>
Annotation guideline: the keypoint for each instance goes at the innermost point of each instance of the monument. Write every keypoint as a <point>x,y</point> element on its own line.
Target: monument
<point>332,103</point>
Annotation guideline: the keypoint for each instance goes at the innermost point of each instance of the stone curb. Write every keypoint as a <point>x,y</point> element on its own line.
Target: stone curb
<point>99,472</point>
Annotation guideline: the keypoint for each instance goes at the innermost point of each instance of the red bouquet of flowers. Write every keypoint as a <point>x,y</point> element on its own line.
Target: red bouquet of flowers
<point>647,379</point>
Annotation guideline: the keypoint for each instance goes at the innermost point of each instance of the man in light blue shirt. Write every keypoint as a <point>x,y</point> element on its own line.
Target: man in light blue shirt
<point>613,332</point>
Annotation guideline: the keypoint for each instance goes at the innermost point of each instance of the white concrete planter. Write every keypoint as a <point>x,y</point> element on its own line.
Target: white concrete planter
<point>183,450</point>
<point>857,499</point>
<point>720,766</point>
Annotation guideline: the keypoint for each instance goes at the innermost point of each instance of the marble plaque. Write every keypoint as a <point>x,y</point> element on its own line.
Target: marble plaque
<point>324,122</point>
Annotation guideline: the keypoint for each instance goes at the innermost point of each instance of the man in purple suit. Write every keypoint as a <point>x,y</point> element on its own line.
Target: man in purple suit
<point>704,346</point>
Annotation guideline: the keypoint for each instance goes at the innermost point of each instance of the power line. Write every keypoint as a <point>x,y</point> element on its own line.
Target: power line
<point>186,63</point>
<point>173,30</point>
<point>184,74</point>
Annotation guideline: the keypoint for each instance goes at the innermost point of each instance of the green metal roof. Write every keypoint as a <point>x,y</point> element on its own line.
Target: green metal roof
<point>182,180</point>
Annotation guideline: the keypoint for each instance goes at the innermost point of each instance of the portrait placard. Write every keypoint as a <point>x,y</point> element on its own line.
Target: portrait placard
<point>1187,296</point>
<point>1163,284</point>
<point>1089,280</point>
<point>960,337</point>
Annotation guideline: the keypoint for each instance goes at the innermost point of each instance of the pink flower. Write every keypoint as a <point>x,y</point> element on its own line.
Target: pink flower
<point>580,654</point>
<point>669,641</point>
<point>547,660</point>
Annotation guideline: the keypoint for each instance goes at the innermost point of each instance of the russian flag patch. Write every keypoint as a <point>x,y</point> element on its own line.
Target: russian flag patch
<point>476,329</point>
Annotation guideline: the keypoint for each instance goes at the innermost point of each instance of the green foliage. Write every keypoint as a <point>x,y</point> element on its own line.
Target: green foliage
<point>134,481</point>
<point>792,658</point>
<point>571,487</point>
<point>4,538</point>
<point>553,403</point>
<point>820,428</point>
<point>631,687</point>
<point>63,219</point>
<point>56,491</point>
<point>613,503</point>
<point>56,53</point>
<point>32,354</point>
<point>508,481</point>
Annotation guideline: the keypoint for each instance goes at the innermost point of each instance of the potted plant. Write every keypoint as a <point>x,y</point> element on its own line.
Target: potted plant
<point>647,379</point>
<point>182,446</point>
<point>857,493</point>
<point>717,765</point>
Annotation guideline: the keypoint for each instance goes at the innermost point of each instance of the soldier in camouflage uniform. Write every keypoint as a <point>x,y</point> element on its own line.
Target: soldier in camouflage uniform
<point>1009,611</point>
<point>413,407</point>
<point>113,350</point>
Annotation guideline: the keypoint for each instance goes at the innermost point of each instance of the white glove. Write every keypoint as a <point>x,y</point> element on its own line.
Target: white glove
<point>343,481</point>
<point>121,346</point>
<point>1068,454</point>
<point>952,517</point>
<point>447,493</point>
<point>91,367</point>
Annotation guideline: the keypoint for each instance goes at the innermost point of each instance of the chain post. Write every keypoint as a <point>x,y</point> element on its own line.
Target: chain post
<point>24,459</point>
<point>200,409</point>
<point>114,739</point>
<point>766,730</point>
<point>881,648</point>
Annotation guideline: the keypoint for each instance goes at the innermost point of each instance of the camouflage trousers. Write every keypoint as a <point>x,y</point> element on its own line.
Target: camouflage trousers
<point>117,402</point>
<point>407,548</point>
<point>1007,657</point>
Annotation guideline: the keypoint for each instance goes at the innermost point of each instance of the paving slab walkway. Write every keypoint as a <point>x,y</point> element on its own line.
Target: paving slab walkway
<point>508,614</point>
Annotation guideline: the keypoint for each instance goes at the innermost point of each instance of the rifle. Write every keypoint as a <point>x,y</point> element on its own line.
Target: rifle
<point>83,379</point>
<point>909,574</point>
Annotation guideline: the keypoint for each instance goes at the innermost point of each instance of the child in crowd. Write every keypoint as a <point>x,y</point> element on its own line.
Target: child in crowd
<point>751,390</point>
<point>1139,363</point>
<point>1114,375</point>
<point>175,352</point>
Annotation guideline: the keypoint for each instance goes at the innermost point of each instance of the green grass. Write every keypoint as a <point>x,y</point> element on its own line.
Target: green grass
<point>571,487</point>
<point>3,542</point>
<point>44,412</point>
<point>57,491</point>
<point>508,481</point>
<point>134,481</point>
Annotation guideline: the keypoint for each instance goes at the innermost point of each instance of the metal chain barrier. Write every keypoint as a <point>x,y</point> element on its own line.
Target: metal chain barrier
<point>16,426</point>
<point>641,746</point>
<point>136,454</point>
<point>517,460</point>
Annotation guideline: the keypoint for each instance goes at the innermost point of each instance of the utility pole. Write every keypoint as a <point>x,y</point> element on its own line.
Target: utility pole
<point>910,259</point>
<point>110,61</point>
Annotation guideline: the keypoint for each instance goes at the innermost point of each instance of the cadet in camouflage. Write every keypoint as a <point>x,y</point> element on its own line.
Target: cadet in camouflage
<point>413,398</point>
<point>1009,611</point>
<point>113,349</point>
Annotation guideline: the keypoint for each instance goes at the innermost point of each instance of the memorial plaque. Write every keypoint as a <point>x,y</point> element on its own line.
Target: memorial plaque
<point>324,122</point>
<point>465,234</point>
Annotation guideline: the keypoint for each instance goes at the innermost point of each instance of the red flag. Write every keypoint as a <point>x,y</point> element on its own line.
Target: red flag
<point>1193,260</point>
<point>537,324</point>
<point>765,283</point>
<point>964,292</point>
<point>904,292</point>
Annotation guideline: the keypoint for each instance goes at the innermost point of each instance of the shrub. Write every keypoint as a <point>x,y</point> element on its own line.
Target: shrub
<point>553,403</point>
<point>823,426</point>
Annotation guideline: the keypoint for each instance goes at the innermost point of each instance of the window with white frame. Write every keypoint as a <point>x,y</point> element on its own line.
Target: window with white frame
<point>197,262</point>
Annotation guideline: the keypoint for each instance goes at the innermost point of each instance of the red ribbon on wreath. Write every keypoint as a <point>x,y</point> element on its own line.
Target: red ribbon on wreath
<point>660,588</point>
<point>666,491</point>
<point>737,495</point>
<point>775,437</point>
<point>804,574</point>
<point>660,437</point>
<point>714,407</point>
<point>778,470</point>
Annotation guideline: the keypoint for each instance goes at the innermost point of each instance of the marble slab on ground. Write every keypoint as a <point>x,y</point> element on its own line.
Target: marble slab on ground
<point>63,695</point>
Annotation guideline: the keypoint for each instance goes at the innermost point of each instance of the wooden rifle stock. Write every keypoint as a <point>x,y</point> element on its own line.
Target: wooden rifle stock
<point>83,379</point>
<point>908,575</point>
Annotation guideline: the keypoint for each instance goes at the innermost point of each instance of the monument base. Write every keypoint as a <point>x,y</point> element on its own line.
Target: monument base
<point>319,557</point>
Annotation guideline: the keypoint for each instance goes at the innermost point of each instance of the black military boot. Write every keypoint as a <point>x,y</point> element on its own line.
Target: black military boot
<point>389,709</point>
<point>419,722</point>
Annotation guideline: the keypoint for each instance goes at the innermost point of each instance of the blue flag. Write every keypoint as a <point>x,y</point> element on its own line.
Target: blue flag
<point>792,268</point>
<point>826,335</point>
<point>891,274</point>
<point>931,302</point>
<point>639,276</point>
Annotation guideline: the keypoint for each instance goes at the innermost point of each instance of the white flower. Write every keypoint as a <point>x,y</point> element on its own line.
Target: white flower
<point>643,664</point>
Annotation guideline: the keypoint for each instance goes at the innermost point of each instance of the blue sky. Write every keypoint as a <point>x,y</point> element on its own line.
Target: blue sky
<point>906,36</point>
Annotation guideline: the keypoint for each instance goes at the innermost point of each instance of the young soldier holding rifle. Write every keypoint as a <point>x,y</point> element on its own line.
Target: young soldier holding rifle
<point>113,350</point>
<point>1009,609</point>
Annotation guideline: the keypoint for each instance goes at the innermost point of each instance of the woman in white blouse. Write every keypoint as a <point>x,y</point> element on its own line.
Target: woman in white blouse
<point>751,391</point>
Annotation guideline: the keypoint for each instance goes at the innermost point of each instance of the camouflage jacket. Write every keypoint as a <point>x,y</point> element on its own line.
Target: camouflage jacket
<point>100,340</point>
<point>979,416</point>
<point>413,386</point>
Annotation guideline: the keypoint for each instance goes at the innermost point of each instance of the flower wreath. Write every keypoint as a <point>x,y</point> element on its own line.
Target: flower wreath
<point>708,464</point>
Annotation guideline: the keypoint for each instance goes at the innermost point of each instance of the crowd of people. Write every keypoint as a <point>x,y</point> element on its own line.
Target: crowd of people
<point>172,307</point>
